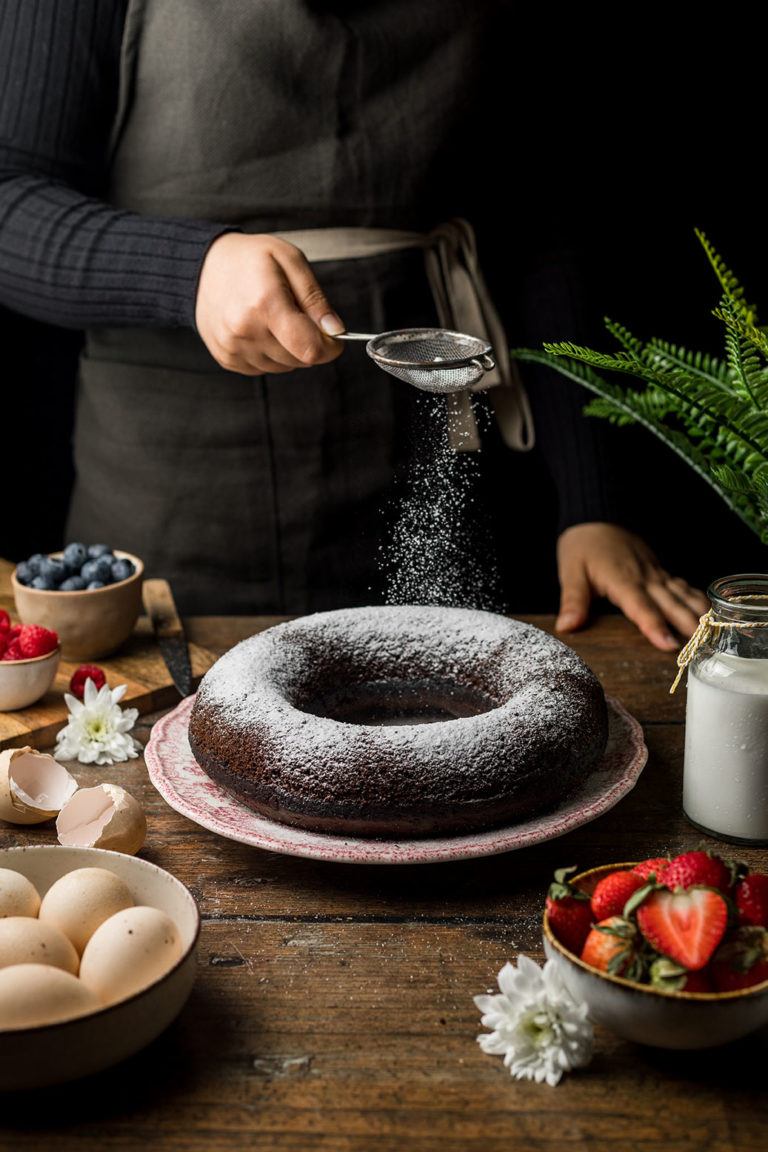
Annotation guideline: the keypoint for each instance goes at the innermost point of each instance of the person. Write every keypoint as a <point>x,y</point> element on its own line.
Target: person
<point>156,157</point>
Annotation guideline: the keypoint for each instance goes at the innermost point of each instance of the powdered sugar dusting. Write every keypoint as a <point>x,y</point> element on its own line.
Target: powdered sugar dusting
<point>440,549</point>
<point>541,701</point>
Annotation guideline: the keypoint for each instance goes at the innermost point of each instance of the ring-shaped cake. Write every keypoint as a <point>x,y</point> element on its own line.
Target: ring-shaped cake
<point>399,721</point>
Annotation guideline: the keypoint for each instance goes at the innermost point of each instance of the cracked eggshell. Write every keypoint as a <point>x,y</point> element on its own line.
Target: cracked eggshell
<point>33,786</point>
<point>102,817</point>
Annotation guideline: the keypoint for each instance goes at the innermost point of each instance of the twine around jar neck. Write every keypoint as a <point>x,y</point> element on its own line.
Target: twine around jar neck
<point>710,626</point>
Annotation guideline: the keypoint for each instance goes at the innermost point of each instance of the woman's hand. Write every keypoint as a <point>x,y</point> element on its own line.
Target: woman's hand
<point>605,560</point>
<point>260,309</point>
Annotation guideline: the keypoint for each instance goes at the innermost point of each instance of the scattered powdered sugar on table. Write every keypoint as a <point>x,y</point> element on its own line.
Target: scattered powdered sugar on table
<point>440,549</point>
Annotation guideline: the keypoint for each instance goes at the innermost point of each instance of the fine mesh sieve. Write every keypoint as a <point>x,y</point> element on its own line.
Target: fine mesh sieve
<point>433,359</point>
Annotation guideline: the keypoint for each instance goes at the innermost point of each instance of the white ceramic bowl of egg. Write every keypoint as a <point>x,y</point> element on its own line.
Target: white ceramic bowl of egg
<point>49,1053</point>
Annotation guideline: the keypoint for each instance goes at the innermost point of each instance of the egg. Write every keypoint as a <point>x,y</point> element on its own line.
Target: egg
<point>105,816</point>
<point>33,786</point>
<point>130,951</point>
<point>18,895</point>
<point>27,941</point>
<point>80,900</point>
<point>32,994</point>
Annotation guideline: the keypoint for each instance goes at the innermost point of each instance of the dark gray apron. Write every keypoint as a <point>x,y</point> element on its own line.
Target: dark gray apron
<point>269,494</point>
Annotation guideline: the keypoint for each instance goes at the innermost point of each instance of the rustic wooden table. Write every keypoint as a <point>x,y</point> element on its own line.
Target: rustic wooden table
<point>333,1007</point>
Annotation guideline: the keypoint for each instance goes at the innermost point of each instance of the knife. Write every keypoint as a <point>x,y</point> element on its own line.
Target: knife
<point>169,632</point>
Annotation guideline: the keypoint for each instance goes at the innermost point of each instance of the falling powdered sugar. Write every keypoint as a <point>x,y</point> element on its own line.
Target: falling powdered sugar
<point>440,550</point>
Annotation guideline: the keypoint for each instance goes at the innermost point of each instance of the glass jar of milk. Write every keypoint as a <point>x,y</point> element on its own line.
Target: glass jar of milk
<point>725,775</point>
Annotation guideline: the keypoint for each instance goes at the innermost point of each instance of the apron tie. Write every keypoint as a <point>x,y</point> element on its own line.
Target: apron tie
<point>463,303</point>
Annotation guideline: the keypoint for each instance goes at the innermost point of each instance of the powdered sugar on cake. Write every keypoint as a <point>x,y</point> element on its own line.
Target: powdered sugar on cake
<point>533,701</point>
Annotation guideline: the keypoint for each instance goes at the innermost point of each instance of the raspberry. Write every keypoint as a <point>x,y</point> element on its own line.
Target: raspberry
<point>83,673</point>
<point>13,652</point>
<point>34,640</point>
<point>3,644</point>
<point>5,620</point>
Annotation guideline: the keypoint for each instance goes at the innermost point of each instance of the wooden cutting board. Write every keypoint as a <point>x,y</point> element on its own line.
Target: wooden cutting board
<point>138,665</point>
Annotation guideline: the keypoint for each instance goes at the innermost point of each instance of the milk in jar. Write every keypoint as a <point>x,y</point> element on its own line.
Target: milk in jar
<point>725,777</point>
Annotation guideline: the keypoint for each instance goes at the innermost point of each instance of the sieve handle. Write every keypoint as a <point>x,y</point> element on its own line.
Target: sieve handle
<point>354,336</point>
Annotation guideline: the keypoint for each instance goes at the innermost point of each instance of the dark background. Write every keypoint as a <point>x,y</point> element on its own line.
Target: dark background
<point>616,141</point>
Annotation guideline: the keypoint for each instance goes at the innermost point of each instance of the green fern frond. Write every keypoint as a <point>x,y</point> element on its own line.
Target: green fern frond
<point>730,285</point>
<point>712,412</point>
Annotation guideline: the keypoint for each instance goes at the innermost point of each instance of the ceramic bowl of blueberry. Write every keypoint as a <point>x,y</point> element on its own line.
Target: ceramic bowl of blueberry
<point>90,594</point>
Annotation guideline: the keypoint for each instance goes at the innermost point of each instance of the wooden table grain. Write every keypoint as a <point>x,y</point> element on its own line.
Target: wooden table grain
<point>333,1006</point>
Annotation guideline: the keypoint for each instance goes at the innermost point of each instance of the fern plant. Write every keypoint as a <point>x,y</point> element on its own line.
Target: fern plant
<point>711,412</point>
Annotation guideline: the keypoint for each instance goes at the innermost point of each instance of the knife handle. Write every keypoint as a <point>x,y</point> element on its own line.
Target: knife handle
<point>161,609</point>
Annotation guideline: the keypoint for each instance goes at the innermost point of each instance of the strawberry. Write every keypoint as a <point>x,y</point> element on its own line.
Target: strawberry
<point>612,892</point>
<point>611,947</point>
<point>83,673</point>
<point>34,640</point>
<point>568,912</point>
<point>5,620</point>
<point>656,865</point>
<point>742,959</point>
<point>687,925</point>
<point>751,896</point>
<point>671,977</point>
<point>700,869</point>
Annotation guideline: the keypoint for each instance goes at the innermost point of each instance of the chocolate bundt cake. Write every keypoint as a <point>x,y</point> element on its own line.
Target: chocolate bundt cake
<point>399,721</point>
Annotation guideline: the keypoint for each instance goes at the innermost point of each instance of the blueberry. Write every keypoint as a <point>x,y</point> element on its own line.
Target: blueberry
<point>96,550</point>
<point>99,568</point>
<point>53,569</point>
<point>122,569</point>
<point>35,561</point>
<point>94,584</point>
<point>75,555</point>
<point>24,573</point>
<point>72,584</point>
<point>44,583</point>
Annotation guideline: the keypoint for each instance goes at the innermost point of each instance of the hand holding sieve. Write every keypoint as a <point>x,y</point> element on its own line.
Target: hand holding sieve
<point>433,359</point>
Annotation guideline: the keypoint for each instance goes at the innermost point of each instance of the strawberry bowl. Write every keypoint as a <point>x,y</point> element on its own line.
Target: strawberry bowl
<point>646,1014</point>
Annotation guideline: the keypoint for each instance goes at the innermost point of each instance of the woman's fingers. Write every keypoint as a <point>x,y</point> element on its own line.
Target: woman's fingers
<point>260,308</point>
<point>599,559</point>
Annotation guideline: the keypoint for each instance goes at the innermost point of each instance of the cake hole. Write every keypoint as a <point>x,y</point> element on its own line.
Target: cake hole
<point>399,702</point>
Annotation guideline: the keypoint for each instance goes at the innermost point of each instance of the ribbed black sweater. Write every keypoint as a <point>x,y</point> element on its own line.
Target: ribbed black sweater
<point>68,258</point>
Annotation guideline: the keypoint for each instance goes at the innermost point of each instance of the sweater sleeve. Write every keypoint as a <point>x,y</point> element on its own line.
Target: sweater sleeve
<point>66,256</point>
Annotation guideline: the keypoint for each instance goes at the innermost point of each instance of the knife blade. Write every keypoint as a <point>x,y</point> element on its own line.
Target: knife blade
<point>169,632</point>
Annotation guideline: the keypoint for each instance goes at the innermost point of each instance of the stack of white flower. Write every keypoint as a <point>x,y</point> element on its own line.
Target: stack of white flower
<point>536,1024</point>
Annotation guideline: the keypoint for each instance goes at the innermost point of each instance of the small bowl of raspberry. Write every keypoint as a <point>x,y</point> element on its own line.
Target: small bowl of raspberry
<point>89,594</point>
<point>29,659</point>
<point>669,953</point>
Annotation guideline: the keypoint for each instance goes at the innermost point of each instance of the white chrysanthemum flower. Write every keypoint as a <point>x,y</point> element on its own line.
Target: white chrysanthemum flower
<point>536,1025</point>
<point>97,728</point>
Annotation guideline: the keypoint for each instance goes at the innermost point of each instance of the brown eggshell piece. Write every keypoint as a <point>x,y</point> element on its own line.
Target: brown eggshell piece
<point>33,786</point>
<point>105,816</point>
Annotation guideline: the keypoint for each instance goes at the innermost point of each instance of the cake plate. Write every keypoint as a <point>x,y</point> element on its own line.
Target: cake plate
<point>184,785</point>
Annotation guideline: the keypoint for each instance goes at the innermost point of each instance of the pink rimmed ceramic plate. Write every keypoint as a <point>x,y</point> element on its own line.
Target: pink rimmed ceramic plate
<point>184,785</point>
